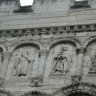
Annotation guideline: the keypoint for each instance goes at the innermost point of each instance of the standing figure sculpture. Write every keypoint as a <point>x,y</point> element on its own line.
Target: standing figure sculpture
<point>61,62</point>
<point>21,65</point>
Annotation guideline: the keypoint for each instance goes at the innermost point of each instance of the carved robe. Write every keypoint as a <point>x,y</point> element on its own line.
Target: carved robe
<point>61,62</point>
<point>21,66</point>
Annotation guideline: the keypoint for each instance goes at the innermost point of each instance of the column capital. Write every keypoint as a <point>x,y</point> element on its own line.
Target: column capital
<point>81,50</point>
<point>43,52</point>
<point>6,55</point>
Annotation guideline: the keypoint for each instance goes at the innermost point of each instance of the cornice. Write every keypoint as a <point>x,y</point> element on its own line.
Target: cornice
<point>48,31</point>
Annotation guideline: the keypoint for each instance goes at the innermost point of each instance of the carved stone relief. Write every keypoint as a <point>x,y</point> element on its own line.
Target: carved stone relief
<point>23,60</point>
<point>90,59</point>
<point>61,58</point>
<point>61,61</point>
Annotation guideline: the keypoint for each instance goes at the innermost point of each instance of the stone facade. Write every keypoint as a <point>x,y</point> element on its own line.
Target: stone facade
<point>48,48</point>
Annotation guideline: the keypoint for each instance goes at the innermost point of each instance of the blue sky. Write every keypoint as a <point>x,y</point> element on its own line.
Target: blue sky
<point>26,2</point>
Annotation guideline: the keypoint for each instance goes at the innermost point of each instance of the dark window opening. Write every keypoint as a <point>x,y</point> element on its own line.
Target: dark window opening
<point>80,4</point>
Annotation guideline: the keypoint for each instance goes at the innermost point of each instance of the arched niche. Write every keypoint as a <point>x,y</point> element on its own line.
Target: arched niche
<point>89,66</point>
<point>67,52</point>
<point>23,61</point>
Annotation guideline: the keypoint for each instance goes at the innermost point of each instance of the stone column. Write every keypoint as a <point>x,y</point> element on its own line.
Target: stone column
<point>80,61</point>
<point>43,56</point>
<point>6,57</point>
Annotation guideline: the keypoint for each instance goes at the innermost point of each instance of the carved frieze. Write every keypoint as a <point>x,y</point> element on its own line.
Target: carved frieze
<point>49,30</point>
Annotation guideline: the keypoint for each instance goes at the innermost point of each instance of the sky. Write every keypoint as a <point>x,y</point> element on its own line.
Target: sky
<point>26,2</point>
<point>30,2</point>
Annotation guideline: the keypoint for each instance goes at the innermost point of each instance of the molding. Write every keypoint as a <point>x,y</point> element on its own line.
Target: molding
<point>48,30</point>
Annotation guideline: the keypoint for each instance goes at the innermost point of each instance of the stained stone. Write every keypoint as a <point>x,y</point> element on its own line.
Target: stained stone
<point>48,48</point>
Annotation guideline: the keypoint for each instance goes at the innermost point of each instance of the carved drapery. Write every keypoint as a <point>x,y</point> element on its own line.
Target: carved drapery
<point>61,62</point>
<point>23,60</point>
<point>62,58</point>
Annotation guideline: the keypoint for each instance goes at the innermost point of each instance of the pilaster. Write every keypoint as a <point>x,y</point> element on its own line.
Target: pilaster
<point>80,60</point>
<point>6,57</point>
<point>43,55</point>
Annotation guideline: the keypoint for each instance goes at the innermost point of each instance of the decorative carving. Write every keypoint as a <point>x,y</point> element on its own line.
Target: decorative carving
<point>81,50</point>
<point>23,60</point>
<point>47,31</point>
<point>61,62</point>
<point>37,81</point>
<point>76,78</point>
<point>93,64</point>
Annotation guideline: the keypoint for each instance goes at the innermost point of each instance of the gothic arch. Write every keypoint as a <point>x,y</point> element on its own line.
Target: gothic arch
<point>72,40</point>
<point>36,93</point>
<point>82,88</point>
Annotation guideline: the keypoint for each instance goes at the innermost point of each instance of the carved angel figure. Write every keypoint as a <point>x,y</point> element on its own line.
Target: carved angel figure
<point>21,65</point>
<point>61,61</point>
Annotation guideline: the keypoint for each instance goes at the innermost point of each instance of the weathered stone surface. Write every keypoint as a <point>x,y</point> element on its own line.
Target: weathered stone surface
<point>50,50</point>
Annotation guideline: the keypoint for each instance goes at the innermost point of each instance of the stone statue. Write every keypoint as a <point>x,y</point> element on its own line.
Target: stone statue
<point>21,65</point>
<point>61,62</point>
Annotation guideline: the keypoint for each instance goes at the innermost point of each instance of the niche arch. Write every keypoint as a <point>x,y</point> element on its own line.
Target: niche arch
<point>72,40</point>
<point>23,42</point>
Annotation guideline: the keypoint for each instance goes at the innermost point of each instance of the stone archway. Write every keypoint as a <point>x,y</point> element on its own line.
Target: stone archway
<point>77,89</point>
<point>79,94</point>
<point>36,93</point>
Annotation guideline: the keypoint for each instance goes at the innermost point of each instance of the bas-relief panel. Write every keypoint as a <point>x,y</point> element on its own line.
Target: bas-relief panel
<point>23,61</point>
<point>90,59</point>
<point>61,60</point>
